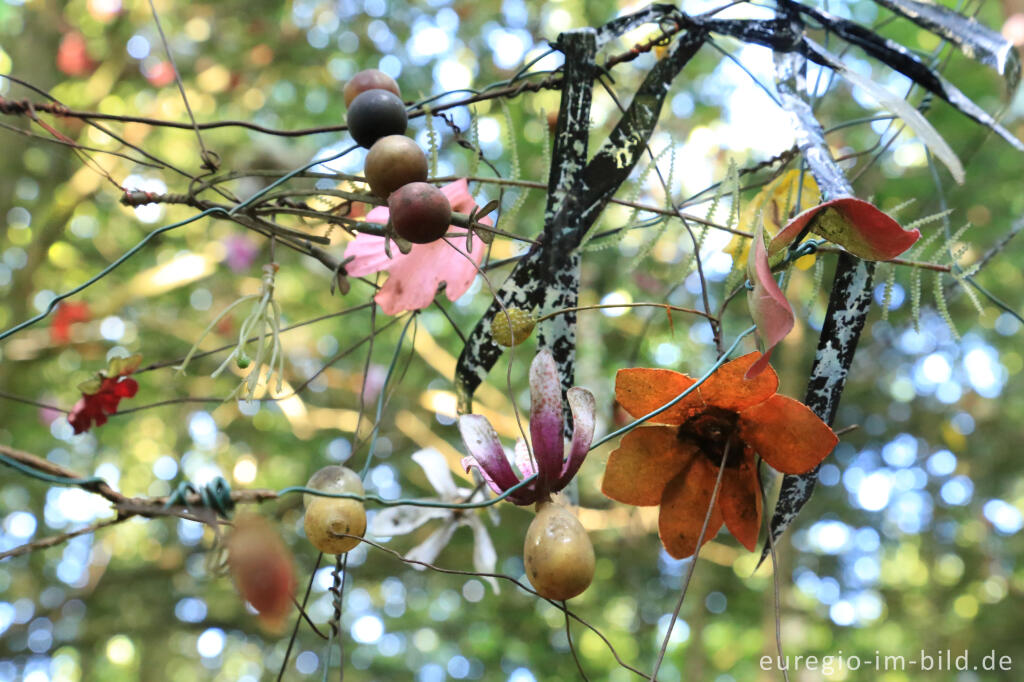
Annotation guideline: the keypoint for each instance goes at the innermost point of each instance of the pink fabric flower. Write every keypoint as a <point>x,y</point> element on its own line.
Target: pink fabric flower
<point>413,278</point>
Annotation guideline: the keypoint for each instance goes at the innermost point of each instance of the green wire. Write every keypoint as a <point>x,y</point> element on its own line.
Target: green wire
<point>107,270</point>
<point>217,494</point>
<point>149,237</point>
<point>50,478</point>
<point>707,375</point>
<point>383,393</point>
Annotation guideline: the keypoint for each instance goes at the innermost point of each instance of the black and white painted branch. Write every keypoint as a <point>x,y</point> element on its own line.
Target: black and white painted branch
<point>547,278</point>
<point>527,287</point>
<point>848,303</point>
<point>850,297</point>
<point>975,40</point>
<point>787,36</point>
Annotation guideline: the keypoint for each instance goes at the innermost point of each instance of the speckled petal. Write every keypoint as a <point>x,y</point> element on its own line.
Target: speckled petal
<point>740,501</point>
<point>787,434</point>
<point>645,461</point>
<point>583,406</point>
<point>523,459</point>
<point>729,389</point>
<point>641,391</point>
<point>486,452</point>
<point>546,416</point>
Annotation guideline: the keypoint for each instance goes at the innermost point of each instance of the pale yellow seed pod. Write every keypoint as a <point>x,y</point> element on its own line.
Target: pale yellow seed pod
<point>513,328</point>
<point>558,554</point>
<point>329,519</point>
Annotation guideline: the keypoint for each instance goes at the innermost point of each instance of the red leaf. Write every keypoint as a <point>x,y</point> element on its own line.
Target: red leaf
<point>768,305</point>
<point>856,225</point>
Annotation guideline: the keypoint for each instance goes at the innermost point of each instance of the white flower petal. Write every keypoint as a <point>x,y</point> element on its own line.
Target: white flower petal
<point>404,519</point>
<point>428,550</point>
<point>484,557</point>
<point>435,466</point>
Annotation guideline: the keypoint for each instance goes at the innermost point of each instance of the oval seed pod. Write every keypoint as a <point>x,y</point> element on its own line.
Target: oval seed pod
<point>394,161</point>
<point>329,520</point>
<point>512,326</point>
<point>369,79</point>
<point>261,567</point>
<point>558,554</point>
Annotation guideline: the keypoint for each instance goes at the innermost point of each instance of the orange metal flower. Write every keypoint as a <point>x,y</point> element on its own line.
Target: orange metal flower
<point>676,462</point>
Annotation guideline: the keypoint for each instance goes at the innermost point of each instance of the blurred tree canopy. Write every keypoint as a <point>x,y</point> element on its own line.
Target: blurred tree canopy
<point>911,544</point>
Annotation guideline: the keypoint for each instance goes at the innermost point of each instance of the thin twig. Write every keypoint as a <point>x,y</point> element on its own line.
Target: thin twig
<point>204,154</point>
<point>525,588</point>
<point>299,618</point>
<point>29,401</point>
<point>572,649</point>
<point>55,540</point>
<point>693,563</point>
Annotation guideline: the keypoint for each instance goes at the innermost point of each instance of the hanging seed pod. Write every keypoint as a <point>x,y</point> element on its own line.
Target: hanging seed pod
<point>558,554</point>
<point>512,326</point>
<point>330,521</point>
<point>262,568</point>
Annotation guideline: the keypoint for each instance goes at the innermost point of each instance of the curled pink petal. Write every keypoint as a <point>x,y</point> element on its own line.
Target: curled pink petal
<point>768,306</point>
<point>486,453</point>
<point>523,461</point>
<point>470,463</point>
<point>546,416</point>
<point>583,406</point>
<point>862,229</point>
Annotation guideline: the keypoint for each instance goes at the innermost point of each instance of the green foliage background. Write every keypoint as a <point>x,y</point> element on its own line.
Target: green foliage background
<point>112,606</point>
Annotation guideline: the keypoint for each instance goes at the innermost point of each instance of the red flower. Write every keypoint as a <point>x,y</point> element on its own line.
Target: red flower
<point>100,396</point>
<point>67,314</point>
<point>676,464</point>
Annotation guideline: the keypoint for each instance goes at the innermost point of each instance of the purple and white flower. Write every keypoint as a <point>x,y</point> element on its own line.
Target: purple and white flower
<point>547,459</point>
